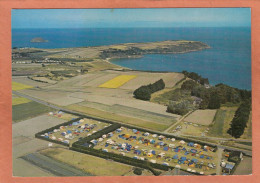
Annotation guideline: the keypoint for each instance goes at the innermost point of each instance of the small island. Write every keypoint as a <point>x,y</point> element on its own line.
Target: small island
<point>38,40</point>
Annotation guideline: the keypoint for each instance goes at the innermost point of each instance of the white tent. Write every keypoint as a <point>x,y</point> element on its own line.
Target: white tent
<point>189,170</point>
<point>201,173</point>
<point>153,161</point>
<point>182,142</point>
<point>177,166</point>
<point>104,136</point>
<point>100,139</point>
<point>50,144</point>
<point>154,135</point>
<point>171,145</point>
<point>173,139</point>
<point>193,171</point>
<point>82,120</point>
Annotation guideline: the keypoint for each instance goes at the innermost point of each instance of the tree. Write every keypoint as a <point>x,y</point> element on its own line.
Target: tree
<point>138,171</point>
<point>142,93</point>
<point>214,101</point>
<point>188,85</point>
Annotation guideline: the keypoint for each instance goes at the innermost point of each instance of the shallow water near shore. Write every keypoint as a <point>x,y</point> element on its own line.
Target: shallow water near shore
<point>227,61</point>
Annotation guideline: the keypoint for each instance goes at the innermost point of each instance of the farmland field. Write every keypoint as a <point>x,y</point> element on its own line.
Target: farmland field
<point>118,118</point>
<point>19,100</point>
<point>20,86</point>
<point>90,164</point>
<point>202,117</point>
<point>117,81</point>
<point>28,110</point>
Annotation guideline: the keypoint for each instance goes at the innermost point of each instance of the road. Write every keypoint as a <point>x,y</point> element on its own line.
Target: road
<point>53,166</point>
<point>179,121</point>
<point>247,152</point>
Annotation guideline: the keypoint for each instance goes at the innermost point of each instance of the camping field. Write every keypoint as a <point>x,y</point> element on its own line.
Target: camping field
<point>171,152</point>
<point>72,132</point>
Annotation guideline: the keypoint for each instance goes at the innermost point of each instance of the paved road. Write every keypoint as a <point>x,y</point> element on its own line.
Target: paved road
<point>53,166</point>
<point>247,152</point>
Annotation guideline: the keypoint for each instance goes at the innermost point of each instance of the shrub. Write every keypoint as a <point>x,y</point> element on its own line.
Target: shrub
<point>138,171</point>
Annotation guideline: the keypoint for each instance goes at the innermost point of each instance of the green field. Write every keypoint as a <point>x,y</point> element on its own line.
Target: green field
<point>28,110</point>
<point>91,164</point>
<point>217,127</point>
<point>119,118</point>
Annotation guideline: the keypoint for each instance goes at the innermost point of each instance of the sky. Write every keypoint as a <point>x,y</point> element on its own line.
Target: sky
<point>124,18</point>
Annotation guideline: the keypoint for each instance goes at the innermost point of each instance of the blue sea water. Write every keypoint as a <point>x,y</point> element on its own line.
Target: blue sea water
<point>227,61</point>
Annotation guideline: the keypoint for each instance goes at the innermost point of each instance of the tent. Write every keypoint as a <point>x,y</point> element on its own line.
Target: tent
<point>161,143</point>
<point>201,173</point>
<point>153,152</point>
<point>171,145</point>
<point>175,157</point>
<point>183,158</point>
<point>154,135</point>
<point>153,161</point>
<point>81,121</point>
<point>194,160</point>
<point>173,139</point>
<point>69,131</point>
<point>150,155</point>
<point>193,150</point>
<point>191,144</point>
<point>166,164</point>
<point>177,166</point>
<point>166,148</point>
<point>182,142</point>
<point>189,170</point>
<point>202,156</point>
<point>105,150</point>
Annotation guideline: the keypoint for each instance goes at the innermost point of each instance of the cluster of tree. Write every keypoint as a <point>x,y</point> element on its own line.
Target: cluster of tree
<point>239,122</point>
<point>188,85</point>
<point>196,77</point>
<point>144,92</point>
<point>220,94</point>
<point>180,108</point>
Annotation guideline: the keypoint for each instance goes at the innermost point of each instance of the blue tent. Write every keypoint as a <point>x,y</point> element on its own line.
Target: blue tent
<point>194,160</point>
<point>202,156</point>
<point>193,150</point>
<point>161,143</point>
<point>175,157</point>
<point>153,152</point>
<point>134,130</point>
<point>176,150</point>
<point>229,166</point>
<point>69,131</point>
<point>75,123</point>
<point>186,153</point>
<point>166,148</point>
<point>191,144</point>
<point>183,158</point>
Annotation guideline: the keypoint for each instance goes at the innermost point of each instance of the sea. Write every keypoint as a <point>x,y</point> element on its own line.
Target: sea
<point>228,60</point>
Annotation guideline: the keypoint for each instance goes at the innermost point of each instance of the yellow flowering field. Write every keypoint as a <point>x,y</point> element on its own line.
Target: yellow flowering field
<point>20,100</point>
<point>20,86</point>
<point>117,81</point>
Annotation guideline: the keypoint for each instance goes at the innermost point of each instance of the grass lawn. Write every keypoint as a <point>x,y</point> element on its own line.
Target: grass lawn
<point>90,164</point>
<point>28,110</point>
<point>217,127</point>
<point>248,130</point>
<point>119,118</point>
